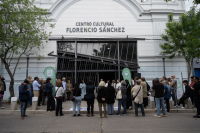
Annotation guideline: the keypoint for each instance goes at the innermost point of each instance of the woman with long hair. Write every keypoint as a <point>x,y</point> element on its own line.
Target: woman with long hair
<point>110,99</point>
<point>128,93</point>
<point>59,97</point>
<point>78,99</point>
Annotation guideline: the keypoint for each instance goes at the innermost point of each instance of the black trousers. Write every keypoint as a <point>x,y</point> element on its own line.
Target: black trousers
<point>50,102</point>
<point>145,101</point>
<point>197,104</point>
<point>68,95</point>
<point>167,104</point>
<point>192,99</point>
<point>59,106</point>
<point>182,101</point>
<point>90,106</point>
<point>40,98</point>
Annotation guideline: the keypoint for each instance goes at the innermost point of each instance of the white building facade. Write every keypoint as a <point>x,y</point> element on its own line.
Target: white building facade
<point>105,30</point>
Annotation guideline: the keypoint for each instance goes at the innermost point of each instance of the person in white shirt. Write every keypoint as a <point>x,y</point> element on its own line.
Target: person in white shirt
<point>106,85</point>
<point>64,87</point>
<point>118,84</point>
<point>36,89</point>
<point>59,97</point>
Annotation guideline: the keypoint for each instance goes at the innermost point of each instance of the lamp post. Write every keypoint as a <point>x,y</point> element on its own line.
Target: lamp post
<point>27,57</point>
<point>163,57</point>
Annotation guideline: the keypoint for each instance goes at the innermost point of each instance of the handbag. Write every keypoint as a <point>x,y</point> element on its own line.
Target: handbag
<point>119,94</point>
<point>72,98</point>
<point>133,98</point>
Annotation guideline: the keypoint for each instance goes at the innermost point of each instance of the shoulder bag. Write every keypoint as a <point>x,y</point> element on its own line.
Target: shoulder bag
<point>56,92</point>
<point>72,98</point>
<point>133,98</point>
<point>119,94</point>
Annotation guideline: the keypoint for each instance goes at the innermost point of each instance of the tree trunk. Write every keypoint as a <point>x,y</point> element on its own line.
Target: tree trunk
<point>189,69</point>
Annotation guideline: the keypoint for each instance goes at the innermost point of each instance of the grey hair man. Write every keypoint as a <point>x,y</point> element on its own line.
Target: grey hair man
<point>64,87</point>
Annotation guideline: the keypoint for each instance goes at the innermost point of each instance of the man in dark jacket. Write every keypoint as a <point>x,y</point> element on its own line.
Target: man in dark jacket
<point>185,95</point>
<point>196,88</point>
<point>101,98</point>
<point>23,97</point>
<point>3,89</point>
<point>90,98</point>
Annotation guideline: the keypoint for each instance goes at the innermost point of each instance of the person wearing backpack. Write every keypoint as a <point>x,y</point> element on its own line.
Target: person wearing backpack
<point>59,97</point>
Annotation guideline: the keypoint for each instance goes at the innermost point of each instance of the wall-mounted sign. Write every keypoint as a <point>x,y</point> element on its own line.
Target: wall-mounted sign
<point>91,27</point>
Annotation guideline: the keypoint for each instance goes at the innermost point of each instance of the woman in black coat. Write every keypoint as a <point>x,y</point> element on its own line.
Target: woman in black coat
<point>90,98</point>
<point>110,99</point>
<point>128,93</point>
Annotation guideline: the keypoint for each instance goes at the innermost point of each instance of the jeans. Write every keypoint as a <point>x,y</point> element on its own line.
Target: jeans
<point>145,101</point>
<point>174,97</point>
<point>100,109</point>
<point>182,101</point>
<point>167,104</point>
<point>110,109</point>
<point>90,106</point>
<point>158,102</point>
<point>136,109</point>
<point>197,104</point>
<point>50,102</point>
<point>78,103</point>
<point>59,106</point>
<point>123,103</point>
<point>23,107</point>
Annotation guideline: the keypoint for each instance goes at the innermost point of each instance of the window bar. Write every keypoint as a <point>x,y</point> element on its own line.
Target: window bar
<point>132,53</point>
<point>127,51</point>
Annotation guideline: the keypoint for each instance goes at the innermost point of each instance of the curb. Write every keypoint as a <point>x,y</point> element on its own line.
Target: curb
<point>33,112</point>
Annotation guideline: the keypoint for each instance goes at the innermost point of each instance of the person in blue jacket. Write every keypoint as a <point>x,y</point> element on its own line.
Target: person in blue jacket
<point>23,97</point>
<point>167,94</point>
<point>48,89</point>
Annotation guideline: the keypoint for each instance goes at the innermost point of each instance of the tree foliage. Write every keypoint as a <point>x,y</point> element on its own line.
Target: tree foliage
<point>182,38</point>
<point>194,1</point>
<point>23,26</point>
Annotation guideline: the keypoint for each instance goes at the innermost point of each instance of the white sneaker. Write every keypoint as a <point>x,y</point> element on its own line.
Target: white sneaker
<point>183,107</point>
<point>3,107</point>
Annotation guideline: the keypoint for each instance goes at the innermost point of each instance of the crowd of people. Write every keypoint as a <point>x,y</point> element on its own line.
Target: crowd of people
<point>124,92</point>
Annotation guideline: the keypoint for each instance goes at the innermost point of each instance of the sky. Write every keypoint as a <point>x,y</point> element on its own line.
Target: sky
<point>189,3</point>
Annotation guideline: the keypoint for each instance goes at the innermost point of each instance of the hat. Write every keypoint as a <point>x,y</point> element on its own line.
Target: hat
<point>26,81</point>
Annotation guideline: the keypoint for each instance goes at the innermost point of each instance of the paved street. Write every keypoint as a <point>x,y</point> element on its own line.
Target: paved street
<point>174,123</point>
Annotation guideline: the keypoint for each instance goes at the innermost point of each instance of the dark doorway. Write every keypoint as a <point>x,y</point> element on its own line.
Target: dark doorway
<point>107,76</point>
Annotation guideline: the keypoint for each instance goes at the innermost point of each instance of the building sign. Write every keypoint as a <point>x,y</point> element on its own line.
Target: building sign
<point>92,27</point>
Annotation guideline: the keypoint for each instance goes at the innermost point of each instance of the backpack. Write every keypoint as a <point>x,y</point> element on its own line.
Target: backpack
<point>148,88</point>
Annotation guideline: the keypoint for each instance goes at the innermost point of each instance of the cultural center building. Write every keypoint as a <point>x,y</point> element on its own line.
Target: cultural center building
<point>95,39</point>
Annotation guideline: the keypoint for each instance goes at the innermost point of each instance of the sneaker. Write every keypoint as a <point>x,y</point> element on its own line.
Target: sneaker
<point>88,115</point>
<point>117,114</point>
<point>78,115</point>
<point>157,116</point>
<point>3,107</point>
<point>164,115</point>
<point>74,115</point>
<point>124,114</point>
<point>183,107</point>
<point>92,115</point>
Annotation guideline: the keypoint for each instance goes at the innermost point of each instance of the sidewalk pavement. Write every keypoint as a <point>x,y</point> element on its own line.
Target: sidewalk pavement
<point>68,109</point>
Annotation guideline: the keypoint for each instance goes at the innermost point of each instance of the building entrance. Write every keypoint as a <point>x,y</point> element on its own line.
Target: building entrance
<point>95,59</point>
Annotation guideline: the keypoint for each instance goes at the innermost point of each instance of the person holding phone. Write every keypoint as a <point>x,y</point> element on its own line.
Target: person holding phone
<point>24,97</point>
